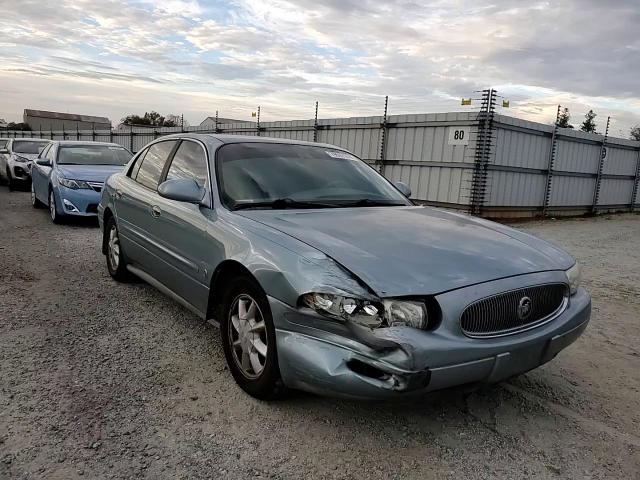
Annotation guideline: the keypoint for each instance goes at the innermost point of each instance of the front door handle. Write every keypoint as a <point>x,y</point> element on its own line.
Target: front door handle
<point>155,211</point>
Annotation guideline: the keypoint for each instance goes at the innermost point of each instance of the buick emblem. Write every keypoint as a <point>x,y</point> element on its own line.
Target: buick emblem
<point>524,308</point>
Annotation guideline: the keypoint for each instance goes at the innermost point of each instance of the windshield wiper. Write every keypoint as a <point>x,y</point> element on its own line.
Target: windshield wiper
<point>372,202</point>
<point>283,203</point>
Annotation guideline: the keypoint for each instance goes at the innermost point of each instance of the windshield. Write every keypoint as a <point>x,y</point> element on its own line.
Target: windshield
<point>23,146</point>
<point>271,175</point>
<point>93,155</point>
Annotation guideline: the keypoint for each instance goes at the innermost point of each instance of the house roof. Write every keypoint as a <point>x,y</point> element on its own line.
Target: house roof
<point>65,116</point>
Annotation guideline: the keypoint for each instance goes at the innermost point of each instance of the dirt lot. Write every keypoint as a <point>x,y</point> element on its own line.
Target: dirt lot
<point>101,380</point>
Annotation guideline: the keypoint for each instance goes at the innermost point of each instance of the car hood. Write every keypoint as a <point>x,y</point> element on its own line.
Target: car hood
<point>90,173</point>
<point>416,250</point>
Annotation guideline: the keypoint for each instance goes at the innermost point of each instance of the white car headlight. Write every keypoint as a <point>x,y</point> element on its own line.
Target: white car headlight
<point>573,275</point>
<point>20,159</point>
<point>392,312</point>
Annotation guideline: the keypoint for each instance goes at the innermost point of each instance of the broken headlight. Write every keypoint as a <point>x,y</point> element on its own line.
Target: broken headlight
<point>362,312</point>
<point>391,313</point>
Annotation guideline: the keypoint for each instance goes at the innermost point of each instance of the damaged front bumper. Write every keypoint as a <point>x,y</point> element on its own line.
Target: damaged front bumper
<point>328,361</point>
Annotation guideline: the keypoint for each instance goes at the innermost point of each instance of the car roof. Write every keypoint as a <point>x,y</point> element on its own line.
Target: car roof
<point>80,143</point>
<point>225,139</point>
<point>29,139</point>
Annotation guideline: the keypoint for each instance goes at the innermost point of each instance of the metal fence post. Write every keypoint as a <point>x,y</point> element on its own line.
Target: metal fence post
<point>215,130</point>
<point>131,139</point>
<point>550,165</point>
<point>258,122</point>
<point>315,124</point>
<point>383,136</point>
<point>484,143</point>
<point>603,154</point>
<point>634,193</point>
<point>93,132</point>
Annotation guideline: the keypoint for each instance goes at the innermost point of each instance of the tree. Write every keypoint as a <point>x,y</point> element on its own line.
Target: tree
<point>177,120</point>
<point>589,124</point>
<point>634,134</point>
<point>563,119</point>
<point>152,119</point>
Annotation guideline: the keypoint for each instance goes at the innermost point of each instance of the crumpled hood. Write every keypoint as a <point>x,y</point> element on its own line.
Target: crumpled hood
<point>416,250</point>
<point>89,173</point>
<point>29,156</point>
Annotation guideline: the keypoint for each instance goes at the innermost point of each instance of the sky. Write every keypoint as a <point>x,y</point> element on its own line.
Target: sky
<point>193,57</point>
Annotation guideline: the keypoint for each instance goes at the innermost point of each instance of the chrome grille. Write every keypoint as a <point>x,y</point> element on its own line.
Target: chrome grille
<point>97,186</point>
<point>503,314</point>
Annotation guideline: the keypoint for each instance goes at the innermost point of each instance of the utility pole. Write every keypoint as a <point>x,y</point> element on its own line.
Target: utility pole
<point>258,122</point>
<point>216,124</point>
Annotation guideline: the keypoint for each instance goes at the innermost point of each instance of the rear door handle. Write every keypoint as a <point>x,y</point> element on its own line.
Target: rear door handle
<point>155,211</point>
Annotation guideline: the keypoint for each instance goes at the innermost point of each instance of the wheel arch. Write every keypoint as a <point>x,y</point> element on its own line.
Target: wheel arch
<point>226,270</point>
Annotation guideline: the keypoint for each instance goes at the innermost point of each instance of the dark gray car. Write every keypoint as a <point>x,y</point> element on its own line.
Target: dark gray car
<point>323,276</point>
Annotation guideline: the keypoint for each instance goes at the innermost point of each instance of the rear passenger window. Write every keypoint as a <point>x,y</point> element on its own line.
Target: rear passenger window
<point>189,162</point>
<point>153,164</point>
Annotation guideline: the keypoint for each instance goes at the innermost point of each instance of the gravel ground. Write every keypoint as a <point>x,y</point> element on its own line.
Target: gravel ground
<point>103,380</point>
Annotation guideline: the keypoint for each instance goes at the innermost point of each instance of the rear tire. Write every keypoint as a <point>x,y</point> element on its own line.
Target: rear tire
<point>116,260</point>
<point>34,200</point>
<point>249,339</point>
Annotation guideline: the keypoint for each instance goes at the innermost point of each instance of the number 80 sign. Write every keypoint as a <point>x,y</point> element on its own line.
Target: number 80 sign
<point>459,135</point>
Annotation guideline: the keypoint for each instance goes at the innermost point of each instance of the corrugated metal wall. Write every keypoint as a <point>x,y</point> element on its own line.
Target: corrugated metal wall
<point>421,151</point>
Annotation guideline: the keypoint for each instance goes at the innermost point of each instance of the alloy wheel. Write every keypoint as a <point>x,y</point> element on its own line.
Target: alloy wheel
<point>248,336</point>
<point>114,248</point>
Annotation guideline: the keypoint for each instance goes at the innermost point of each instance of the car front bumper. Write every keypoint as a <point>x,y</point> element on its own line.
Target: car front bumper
<point>20,170</point>
<point>84,200</point>
<point>331,364</point>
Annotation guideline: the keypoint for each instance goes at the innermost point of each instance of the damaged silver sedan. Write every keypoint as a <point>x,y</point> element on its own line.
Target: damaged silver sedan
<point>325,277</point>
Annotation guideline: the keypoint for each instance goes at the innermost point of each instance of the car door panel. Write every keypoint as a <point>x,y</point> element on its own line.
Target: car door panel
<point>180,228</point>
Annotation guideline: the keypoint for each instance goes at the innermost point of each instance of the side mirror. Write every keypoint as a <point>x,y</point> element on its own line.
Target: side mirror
<point>404,189</point>
<point>181,190</point>
<point>4,150</point>
<point>43,163</point>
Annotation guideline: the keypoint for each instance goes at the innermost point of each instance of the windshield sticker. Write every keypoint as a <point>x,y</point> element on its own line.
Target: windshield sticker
<point>343,155</point>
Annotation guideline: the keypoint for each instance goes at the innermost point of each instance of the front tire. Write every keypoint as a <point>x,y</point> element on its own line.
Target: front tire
<point>10,181</point>
<point>249,339</point>
<point>116,261</point>
<point>53,209</point>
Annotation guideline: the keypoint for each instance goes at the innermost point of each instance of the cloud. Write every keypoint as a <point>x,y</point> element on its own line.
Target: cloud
<point>348,54</point>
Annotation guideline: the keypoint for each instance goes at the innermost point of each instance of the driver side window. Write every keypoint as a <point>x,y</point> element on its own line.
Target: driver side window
<point>50,153</point>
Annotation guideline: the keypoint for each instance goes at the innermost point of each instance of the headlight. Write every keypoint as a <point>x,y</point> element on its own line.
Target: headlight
<point>391,313</point>
<point>72,184</point>
<point>20,159</point>
<point>405,312</point>
<point>342,308</point>
<point>573,275</point>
